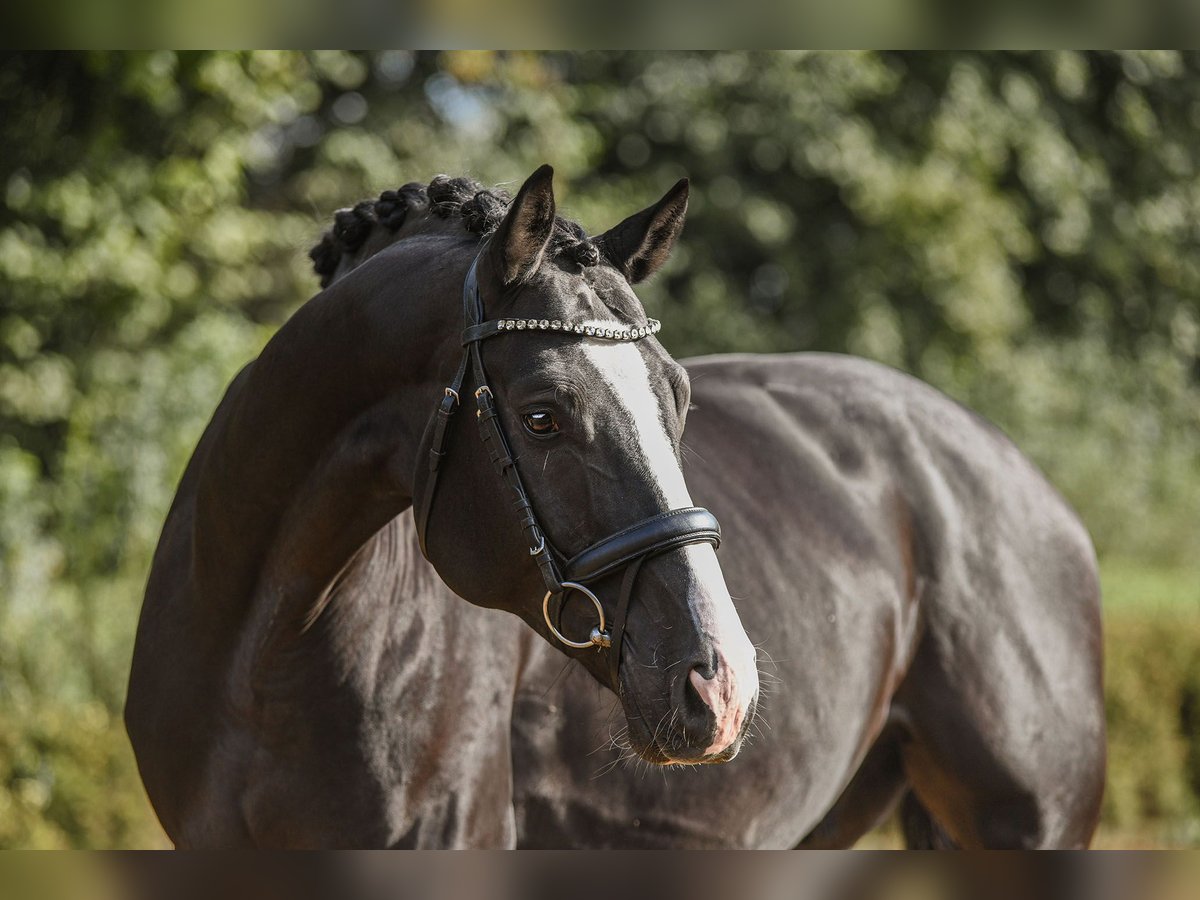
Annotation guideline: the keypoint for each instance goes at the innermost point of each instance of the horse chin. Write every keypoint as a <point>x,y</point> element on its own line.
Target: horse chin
<point>716,759</point>
<point>657,755</point>
<point>652,750</point>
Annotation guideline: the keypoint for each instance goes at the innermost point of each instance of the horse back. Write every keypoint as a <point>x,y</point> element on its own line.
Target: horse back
<point>973,501</point>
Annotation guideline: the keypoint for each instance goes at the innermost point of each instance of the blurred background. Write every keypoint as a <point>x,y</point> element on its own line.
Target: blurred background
<point>1020,230</point>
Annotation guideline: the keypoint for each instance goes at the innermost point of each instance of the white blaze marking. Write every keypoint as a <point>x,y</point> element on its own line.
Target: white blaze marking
<point>622,366</point>
<point>730,693</point>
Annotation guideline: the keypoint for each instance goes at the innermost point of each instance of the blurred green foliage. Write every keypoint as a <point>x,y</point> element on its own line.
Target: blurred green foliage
<point>1017,229</point>
<point>1153,702</point>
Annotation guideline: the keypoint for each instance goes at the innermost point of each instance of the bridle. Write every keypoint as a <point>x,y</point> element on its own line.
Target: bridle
<point>626,549</point>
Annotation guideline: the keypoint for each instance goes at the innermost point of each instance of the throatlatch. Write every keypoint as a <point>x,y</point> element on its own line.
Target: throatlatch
<point>627,549</point>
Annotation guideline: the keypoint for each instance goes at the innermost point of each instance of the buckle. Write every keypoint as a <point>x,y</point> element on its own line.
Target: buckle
<point>484,389</point>
<point>451,392</point>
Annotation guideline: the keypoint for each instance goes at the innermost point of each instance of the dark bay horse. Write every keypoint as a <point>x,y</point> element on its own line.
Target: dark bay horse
<point>924,604</point>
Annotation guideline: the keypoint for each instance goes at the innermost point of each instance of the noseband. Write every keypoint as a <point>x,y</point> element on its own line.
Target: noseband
<point>627,549</point>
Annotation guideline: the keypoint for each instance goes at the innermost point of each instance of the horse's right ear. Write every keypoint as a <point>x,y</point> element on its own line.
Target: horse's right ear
<point>641,244</point>
<point>520,242</point>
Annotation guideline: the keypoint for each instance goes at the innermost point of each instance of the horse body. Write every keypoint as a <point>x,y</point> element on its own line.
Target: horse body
<point>924,601</point>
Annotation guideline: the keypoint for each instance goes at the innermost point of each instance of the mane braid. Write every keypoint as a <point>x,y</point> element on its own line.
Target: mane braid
<point>479,209</point>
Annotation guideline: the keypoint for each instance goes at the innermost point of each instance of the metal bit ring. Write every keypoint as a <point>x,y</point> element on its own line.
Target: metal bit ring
<point>599,637</point>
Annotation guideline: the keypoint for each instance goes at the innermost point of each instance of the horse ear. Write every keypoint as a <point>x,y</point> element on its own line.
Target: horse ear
<point>641,244</point>
<point>520,242</point>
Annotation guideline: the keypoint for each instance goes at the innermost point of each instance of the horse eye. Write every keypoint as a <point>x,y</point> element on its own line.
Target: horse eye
<point>541,422</point>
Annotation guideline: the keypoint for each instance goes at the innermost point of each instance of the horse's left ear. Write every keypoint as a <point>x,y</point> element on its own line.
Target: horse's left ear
<point>641,244</point>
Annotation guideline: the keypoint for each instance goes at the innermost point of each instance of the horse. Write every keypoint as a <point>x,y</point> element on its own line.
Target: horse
<point>916,624</point>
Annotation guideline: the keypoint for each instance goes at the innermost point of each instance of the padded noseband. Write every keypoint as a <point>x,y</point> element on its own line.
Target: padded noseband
<point>658,534</point>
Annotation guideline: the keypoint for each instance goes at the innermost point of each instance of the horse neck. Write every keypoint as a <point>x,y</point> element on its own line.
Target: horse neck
<point>317,449</point>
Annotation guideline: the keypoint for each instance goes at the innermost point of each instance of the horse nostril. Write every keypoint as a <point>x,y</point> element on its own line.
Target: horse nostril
<point>700,689</point>
<point>708,668</point>
<point>697,713</point>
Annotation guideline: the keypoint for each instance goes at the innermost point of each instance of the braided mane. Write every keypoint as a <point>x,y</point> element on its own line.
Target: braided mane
<point>367,227</point>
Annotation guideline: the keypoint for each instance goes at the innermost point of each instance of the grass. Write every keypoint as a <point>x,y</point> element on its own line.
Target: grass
<point>1132,586</point>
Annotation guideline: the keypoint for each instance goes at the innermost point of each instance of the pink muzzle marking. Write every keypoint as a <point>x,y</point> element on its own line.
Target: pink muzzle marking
<point>721,695</point>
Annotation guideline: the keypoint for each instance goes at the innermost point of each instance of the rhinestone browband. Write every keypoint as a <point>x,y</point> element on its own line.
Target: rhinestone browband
<point>652,326</point>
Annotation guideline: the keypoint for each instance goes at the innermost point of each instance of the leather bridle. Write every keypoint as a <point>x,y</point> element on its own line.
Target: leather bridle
<point>626,549</point>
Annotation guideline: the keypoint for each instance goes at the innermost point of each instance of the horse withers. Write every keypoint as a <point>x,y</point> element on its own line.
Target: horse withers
<point>303,676</point>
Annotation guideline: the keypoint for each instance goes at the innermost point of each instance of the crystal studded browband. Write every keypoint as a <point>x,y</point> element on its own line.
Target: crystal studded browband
<point>652,326</point>
<point>604,331</point>
<point>619,333</point>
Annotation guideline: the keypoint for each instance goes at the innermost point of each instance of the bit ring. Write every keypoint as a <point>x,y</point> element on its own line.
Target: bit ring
<point>599,637</point>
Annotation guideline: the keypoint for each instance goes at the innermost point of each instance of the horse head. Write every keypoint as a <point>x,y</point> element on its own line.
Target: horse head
<point>591,413</point>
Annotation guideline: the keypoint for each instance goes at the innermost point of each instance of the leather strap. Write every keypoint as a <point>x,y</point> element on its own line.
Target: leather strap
<point>439,422</point>
<point>438,427</point>
<point>490,431</point>
<point>618,622</point>
<point>492,434</point>
<point>666,531</point>
<point>481,332</point>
